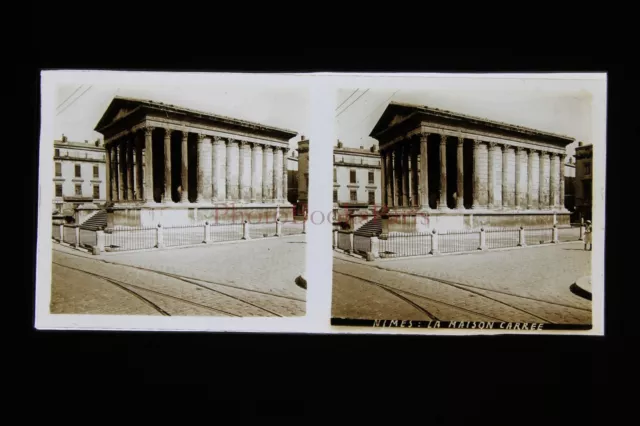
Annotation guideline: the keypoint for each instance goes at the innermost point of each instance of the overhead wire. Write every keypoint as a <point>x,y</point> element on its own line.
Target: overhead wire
<point>356,100</point>
<point>74,92</point>
<point>348,97</point>
<point>72,102</point>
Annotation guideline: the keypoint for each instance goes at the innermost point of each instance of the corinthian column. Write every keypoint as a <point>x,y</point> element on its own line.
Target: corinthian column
<point>397,171</point>
<point>232,170</point>
<point>443,173</point>
<point>389,183</point>
<point>543,184</point>
<point>405,173</point>
<point>383,177</point>
<point>129,146</point>
<point>492,175</point>
<point>285,177</point>
<point>554,174</point>
<point>148,156</point>
<point>277,174</point>
<point>415,197</point>
<point>531,191</point>
<point>108,173</point>
<point>505,176</point>
<point>518,189</point>
<point>139,168</point>
<point>205,182</point>
<point>460,175</point>
<point>184,169</point>
<point>267,174</point>
<point>219,167</point>
<point>167,166</point>
<point>478,171</point>
<point>122,157</point>
<point>256,173</point>
<point>245,171</point>
<point>424,172</point>
<point>561,201</point>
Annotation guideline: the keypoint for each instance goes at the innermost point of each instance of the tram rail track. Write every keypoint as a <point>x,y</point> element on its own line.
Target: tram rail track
<point>476,291</point>
<point>188,280</point>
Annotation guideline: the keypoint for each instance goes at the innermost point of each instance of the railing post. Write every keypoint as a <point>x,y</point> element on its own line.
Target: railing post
<point>278,227</point>
<point>304,226</point>
<point>335,238</point>
<point>245,230</point>
<point>100,240</point>
<point>521,240</point>
<point>159,237</point>
<point>374,248</point>
<point>483,240</point>
<point>434,242</point>
<point>351,242</point>
<point>582,231</point>
<point>206,232</point>
<point>554,234</point>
<point>61,232</point>
<point>77,231</point>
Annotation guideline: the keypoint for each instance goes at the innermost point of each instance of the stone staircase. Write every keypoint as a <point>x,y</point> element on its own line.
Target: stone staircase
<point>96,222</point>
<point>372,228</point>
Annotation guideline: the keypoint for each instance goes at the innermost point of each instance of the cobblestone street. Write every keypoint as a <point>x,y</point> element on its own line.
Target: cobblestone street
<point>253,278</point>
<point>518,285</point>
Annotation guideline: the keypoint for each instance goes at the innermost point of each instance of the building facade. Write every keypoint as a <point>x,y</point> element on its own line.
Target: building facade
<point>172,165</point>
<point>79,175</point>
<point>302,204</point>
<point>584,181</point>
<point>292,177</point>
<point>356,178</point>
<point>469,171</point>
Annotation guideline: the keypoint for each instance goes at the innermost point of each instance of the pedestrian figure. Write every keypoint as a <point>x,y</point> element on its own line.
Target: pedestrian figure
<point>588,235</point>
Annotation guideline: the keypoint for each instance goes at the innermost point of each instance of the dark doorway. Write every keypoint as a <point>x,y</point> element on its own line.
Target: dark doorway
<point>192,181</point>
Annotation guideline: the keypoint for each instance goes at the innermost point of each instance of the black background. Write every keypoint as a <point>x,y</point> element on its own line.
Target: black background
<point>470,376</point>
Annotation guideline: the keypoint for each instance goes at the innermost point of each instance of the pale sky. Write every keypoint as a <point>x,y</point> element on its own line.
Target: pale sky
<point>286,108</point>
<point>567,113</point>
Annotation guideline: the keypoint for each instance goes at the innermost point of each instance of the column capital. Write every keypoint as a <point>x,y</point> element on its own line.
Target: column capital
<point>185,134</point>
<point>167,132</point>
<point>493,145</point>
<point>443,139</point>
<point>255,146</point>
<point>460,141</point>
<point>243,143</point>
<point>218,140</point>
<point>477,143</point>
<point>201,137</point>
<point>148,130</point>
<point>268,148</point>
<point>424,135</point>
<point>505,147</point>
<point>520,149</point>
<point>231,142</point>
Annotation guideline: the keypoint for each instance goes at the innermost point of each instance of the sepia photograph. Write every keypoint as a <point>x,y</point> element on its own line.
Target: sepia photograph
<point>174,198</point>
<point>459,208</point>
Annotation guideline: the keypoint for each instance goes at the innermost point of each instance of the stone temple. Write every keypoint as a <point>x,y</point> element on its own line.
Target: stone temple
<point>467,171</point>
<point>172,165</point>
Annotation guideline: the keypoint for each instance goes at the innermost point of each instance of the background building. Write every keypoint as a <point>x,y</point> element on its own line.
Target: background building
<point>292,177</point>
<point>79,175</point>
<point>303,177</point>
<point>356,177</point>
<point>583,182</point>
<point>569,185</point>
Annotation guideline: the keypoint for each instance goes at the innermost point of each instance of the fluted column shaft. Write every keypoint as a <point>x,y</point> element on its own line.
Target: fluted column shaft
<point>148,156</point>
<point>397,171</point>
<point>168,184</point>
<point>383,176</point>
<point>424,173</point>
<point>460,174</point>
<point>139,169</point>
<point>530,184</point>
<point>129,144</point>
<point>554,175</point>
<point>443,172</point>
<point>414,149</point>
<point>505,176</point>
<point>267,174</point>
<point>405,173</point>
<point>561,203</point>
<point>233,164</point>
<point>476,175</point>
<point>204,183</point>
<point>543,184</point>
<point>256,173</point>
<point>184,167</point>
<point>285,177</point>
<point>108,173</point>
<point>518,189</point>
<point>277,174</point>
<point>492,175</point>
<point>122,157</point>
<point>219,169</point>
<point>245,172</point>
<point>389,177</point>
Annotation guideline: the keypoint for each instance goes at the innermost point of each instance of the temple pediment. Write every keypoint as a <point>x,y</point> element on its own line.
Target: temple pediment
<point>121,113</point>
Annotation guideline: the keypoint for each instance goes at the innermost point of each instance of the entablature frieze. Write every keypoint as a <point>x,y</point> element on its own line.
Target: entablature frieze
<point>457,133</point>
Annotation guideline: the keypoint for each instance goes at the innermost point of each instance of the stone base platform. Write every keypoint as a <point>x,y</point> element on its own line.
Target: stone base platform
<point>407,220</point>
<point>151,214</point>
